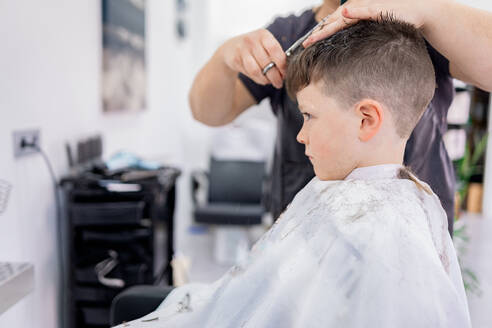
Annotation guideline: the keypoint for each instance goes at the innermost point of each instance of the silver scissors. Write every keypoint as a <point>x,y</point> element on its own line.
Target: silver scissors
<point>297,44</point>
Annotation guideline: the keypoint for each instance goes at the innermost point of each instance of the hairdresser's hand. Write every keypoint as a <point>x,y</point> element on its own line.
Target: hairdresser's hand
<point>250,53</point>
<point>354,10</point>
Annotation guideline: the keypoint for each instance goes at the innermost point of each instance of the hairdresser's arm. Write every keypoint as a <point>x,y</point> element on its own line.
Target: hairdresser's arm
<point>464,36</point>
<point>217,96</point>
<point>461,33</point>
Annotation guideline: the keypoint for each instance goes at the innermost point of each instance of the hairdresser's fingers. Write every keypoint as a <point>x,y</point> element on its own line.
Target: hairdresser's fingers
<point>331,26</point>
<point>335,15</point>
<point>275,51</point>
<point>371,12</point>
<point>404,12</point>
<point>263,59</point>
<point>329,29</point>
<point>275,77</point>
<point>252,69</point>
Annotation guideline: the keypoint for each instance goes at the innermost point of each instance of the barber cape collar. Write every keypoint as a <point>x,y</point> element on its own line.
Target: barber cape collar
<point>383,171</point>
<point>375,172</point>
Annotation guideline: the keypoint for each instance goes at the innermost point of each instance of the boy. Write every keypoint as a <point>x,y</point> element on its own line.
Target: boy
<point>365,243</point>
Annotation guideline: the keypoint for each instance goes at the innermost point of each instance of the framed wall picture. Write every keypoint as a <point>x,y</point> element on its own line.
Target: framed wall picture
<point>124,66</point>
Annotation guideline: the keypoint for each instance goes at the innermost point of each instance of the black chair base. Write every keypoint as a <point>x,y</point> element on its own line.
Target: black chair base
<point>137,301</point>
<point>229,214</point>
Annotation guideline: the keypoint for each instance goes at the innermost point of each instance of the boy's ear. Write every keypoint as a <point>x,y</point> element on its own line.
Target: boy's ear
<point>370,113</point>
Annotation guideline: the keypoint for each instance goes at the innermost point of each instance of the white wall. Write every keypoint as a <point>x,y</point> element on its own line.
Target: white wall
<point>50,64</point>
<point>50,80</point>
<point>480,4</point>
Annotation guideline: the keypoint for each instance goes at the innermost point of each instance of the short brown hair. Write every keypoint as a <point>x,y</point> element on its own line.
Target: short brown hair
<point>385,60</point>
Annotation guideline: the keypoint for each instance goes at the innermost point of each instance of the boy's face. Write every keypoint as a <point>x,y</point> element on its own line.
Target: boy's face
<point>329,132</point>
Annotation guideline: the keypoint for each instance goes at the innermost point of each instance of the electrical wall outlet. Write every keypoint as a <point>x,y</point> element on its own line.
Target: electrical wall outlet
<point>26,142</point>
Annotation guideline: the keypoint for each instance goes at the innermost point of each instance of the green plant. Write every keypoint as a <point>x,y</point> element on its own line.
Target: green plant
<point>466,168</point>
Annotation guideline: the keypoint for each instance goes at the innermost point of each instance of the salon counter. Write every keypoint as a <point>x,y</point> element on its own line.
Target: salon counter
<point>16,282</point>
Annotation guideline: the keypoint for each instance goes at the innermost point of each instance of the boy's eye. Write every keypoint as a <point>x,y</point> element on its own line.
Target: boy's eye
<point>307,116</point>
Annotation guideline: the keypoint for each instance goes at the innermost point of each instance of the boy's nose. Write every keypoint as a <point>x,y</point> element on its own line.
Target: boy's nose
<point>301,137</point>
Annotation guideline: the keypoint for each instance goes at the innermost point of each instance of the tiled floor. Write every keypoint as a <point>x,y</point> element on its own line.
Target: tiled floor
<point>198,245</point>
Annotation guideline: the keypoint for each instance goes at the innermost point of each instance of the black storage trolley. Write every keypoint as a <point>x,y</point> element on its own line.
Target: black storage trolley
<point>113,229</point>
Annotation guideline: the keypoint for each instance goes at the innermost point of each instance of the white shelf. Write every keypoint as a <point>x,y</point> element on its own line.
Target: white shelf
<point>16,282</point>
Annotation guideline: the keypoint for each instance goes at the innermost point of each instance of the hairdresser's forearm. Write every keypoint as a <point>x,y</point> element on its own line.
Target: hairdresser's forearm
<point>464,35</point>
<point>212,93</point>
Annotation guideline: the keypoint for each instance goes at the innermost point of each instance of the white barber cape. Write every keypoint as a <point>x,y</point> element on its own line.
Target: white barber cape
<point>368,251</point>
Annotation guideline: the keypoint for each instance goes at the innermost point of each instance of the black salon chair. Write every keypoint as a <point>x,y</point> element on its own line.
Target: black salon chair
<point>235,193</point>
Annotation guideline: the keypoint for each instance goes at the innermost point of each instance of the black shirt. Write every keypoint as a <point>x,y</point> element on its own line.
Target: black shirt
<point>425,153</point>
